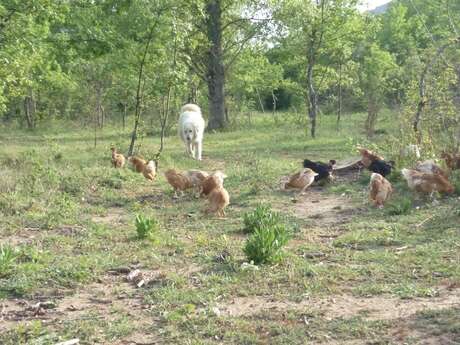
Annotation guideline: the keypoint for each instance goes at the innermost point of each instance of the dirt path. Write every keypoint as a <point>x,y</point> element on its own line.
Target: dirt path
<point>325,210</point>
<point>344,306</point>
<point>108,300</point>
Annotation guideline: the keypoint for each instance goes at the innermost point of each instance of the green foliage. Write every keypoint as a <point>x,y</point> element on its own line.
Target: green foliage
<point>8,256</point>
<point>114,180</point>
<point>146,227</point>
<point>266,243</point>
<point>455,180</point>
<point>261,217</point>
<point>268,235</point>
<point>399,207</point>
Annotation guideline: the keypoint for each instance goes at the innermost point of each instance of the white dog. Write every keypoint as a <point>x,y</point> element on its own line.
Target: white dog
<point>191,129</point>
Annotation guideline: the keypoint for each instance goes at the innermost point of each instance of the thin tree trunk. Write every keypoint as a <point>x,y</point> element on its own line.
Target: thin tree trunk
<point>215,74</point>
<point>372,113</point>
<point>137,114</point>
<point>166,104</point>
<point>163,122</point>
<point>274,106</point>
<point>312,97</point>
<point>102,116</point>
<point>29,110</point>
<point>260,101</point>
<point>95,128</point>
<point>125,110</point>
<point>422,88</point>
<point>192,91</point>
<point>316,39</point>
<point>339,98</point>
<point>421,104</point>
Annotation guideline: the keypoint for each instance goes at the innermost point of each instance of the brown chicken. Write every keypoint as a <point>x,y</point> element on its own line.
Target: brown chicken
<point>212,182</point>
<point>301,180</point>
<point>218,200</point>
<point>138,163</point>
<point>118,160</point>
<point>430,167</point>
<point>380,190</point>
<point>452,160</point>
<point>197,178</point>
<point>367,157</point>
<point>150,170</point>
<point>178,180</point>
<point>218,197</point>
<point>427,183</point>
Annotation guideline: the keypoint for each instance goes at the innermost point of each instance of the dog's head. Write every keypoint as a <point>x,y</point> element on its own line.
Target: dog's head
<point>189,132</point>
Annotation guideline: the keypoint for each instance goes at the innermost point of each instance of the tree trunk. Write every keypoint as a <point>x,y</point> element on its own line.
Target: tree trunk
<point>422,88</point>
<point>192,92</point>
<point>339,98</point>
<point>29,110</point>
<point>421,105</point>
<point>260,101</point>
<point>372,113</point>
<point>125,111</point>
<point>215,72</point>
<point>274,106</point>
<point>139,92</point>
<point>95,118</point>
<point>312,97</point>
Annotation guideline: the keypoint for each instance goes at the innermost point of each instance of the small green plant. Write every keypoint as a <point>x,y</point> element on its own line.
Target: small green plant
<point>261,217</point>
<point>8,256</point>
<point>146,227</point>
<point>114,181</point>
<point>395,176</point>
<point>266,243</point>
<point>455,180</point>
<point>399,207</point>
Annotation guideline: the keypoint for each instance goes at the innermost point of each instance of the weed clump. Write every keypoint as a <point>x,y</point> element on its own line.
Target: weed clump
<point>266,243</point>
<point>268,235</point>
<point>399,207</point>
<point>8,256</point>
<point>146,227</point>
<point>262,216</point>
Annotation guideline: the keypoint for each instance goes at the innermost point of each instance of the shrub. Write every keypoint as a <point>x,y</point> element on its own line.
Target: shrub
<point>455,180</point>
<point>266,243</point>
<point>8,256</point>
<point>114,181</point>
<point>261,217</point>
<point>395,176</point>
<point>399,207</point>
<point>146,227</point>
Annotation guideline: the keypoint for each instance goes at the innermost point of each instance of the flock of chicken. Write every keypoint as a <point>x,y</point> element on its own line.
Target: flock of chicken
<point>427,177</point>
<point>208,185</point>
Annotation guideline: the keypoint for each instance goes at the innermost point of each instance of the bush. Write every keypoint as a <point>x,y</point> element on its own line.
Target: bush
<point>265,244</point>
<point>261,217</point>
<point>455,180</point>
<point>399,207</point>
<point>146,227</point>
<point>8,256</point>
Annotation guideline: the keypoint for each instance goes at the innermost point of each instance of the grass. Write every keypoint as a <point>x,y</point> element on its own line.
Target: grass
<point>266,243</point>
<point>399,207</point>
<point>146,227</point>
<point>67,224</point>
<point>261,217</point>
